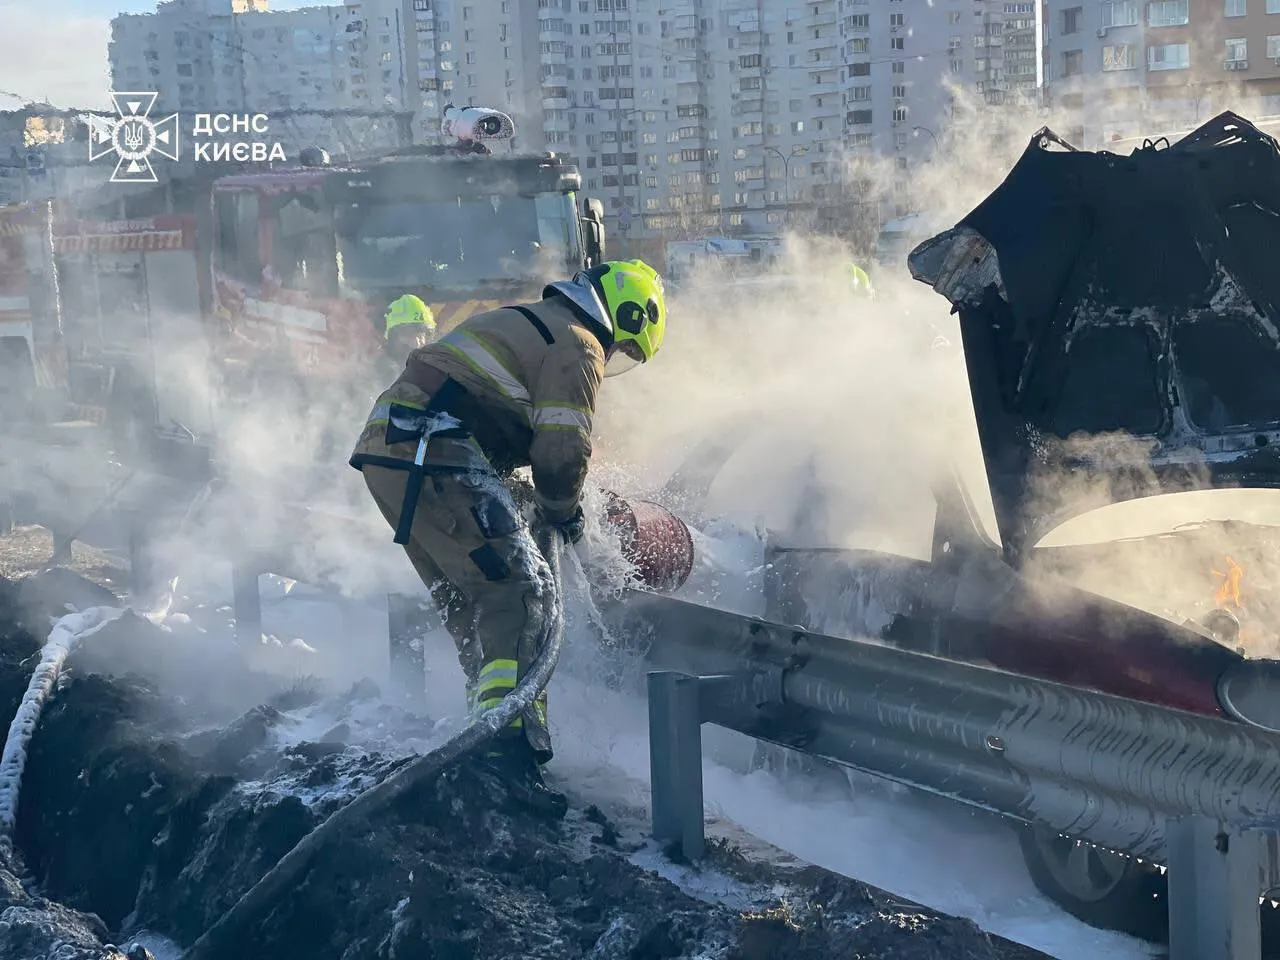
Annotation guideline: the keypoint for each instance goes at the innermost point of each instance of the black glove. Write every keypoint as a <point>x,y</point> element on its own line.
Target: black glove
<point>571,527</point>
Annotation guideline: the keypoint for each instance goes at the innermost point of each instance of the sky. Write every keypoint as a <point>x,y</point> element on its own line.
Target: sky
<point>56,50</point>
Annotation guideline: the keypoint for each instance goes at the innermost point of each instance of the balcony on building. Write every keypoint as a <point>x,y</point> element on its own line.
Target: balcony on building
<point>819,14</point>
<point>684,25</point>
<point>688,94</point>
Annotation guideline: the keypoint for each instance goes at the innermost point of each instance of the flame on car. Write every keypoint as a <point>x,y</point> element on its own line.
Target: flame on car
<point>1227,594</point>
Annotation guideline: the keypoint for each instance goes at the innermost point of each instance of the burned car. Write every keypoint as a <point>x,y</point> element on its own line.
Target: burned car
<point>1121,335</point>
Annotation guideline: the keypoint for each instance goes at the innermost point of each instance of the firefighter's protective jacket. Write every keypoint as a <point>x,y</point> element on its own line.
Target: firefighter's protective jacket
<point>529,378</point>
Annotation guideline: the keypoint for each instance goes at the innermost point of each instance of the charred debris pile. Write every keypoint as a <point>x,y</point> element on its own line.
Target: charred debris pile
<point>148,802</point>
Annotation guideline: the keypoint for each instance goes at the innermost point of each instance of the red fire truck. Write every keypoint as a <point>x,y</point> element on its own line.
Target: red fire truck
<point>88,312</point>
<point>282,278</point>
<point>30,363</point>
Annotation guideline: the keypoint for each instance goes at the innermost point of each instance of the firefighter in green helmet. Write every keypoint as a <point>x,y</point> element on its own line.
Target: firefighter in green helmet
<point>859,280</point>
<point>407,325</point>
<point>505,389</point>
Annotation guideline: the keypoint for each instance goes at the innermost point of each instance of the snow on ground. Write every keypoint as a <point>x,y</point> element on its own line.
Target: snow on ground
<point>922,849</point>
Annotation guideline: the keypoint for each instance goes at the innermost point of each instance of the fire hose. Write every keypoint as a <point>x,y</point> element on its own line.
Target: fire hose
<point>231,928</point>
<point>66,633</point>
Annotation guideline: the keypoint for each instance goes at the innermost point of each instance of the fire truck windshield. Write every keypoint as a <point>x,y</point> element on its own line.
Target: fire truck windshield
<point>468,242</point>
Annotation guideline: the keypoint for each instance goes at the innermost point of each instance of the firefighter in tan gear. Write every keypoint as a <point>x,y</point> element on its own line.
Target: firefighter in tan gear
<point>508,388</point>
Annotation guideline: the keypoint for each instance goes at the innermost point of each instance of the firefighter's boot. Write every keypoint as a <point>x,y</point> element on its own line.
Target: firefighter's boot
<point>512,761</point>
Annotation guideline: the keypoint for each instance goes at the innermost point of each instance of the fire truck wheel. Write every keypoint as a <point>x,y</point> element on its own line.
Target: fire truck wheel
<point>1103,889</point>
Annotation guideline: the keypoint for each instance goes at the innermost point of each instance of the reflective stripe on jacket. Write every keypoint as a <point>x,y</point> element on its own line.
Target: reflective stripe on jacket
<point>534,383</point>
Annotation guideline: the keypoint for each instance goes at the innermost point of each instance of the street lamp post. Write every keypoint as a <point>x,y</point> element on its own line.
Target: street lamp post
<point>796,151</point>
<point>916,131</point>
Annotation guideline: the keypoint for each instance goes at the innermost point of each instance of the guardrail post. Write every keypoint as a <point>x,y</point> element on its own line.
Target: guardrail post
<point>246,600</point>
<point>679,704</point>
<point>675,761</point>
<point>1217,872</point>
<point>408,623</point>
<point>142,567</point>
<point>62,541</point>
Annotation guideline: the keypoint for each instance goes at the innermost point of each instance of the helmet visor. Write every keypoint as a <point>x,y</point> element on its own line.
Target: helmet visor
<point>626,356</point>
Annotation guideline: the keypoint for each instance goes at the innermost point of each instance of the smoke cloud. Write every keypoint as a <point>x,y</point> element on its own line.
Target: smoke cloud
<point>833,413</point>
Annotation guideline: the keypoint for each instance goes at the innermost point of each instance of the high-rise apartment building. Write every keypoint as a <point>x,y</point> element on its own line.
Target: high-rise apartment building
<point>685,116</point>
<point>327,75</point>
<point>730,114</point>
<point>1127,68</point>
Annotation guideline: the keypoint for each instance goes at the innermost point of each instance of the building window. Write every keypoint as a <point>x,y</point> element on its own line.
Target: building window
<point>1073,63</point>
<point>1167,13</point>
<point>1234,8</point>
<point>899,66</point>
<point>1119,57</point>
<point>1170,56</point>
<point>1071,20</point>
<point>895,43</point>
<point>899,91</point>
<point>1237,50</point>
<point>1120,13</point>
<point>899,114</point>
<point>1273,6</point>
<point>1273,47</point>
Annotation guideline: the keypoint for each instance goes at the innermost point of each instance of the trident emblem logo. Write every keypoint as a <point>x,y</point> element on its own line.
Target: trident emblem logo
<point>133,137</point>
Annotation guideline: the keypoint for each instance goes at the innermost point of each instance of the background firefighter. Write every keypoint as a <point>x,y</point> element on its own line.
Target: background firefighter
<point>407,325</point>
<point>505,389</point>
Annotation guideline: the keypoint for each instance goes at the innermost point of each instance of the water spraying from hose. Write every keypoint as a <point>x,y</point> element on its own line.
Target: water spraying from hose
<point>233,928</point>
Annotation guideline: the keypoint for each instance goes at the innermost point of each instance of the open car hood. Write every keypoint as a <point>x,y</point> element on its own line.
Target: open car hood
<point>1121,322</point>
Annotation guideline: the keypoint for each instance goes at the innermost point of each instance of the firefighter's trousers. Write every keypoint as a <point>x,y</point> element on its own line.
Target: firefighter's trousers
<point>471,547</point>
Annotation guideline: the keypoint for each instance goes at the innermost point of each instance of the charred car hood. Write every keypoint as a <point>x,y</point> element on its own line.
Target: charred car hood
<point>1119,320</point>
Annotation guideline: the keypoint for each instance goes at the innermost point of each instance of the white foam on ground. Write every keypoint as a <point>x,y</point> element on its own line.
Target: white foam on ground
<point>932,852</point>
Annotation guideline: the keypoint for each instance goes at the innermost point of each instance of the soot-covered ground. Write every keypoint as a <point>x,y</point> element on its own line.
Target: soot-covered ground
<point>145,804</point>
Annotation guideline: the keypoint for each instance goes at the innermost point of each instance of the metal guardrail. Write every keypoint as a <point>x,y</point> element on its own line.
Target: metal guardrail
<point>1197,794</point>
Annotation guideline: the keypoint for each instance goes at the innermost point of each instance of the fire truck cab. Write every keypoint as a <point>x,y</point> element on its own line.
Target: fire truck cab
<point>304,263</point>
